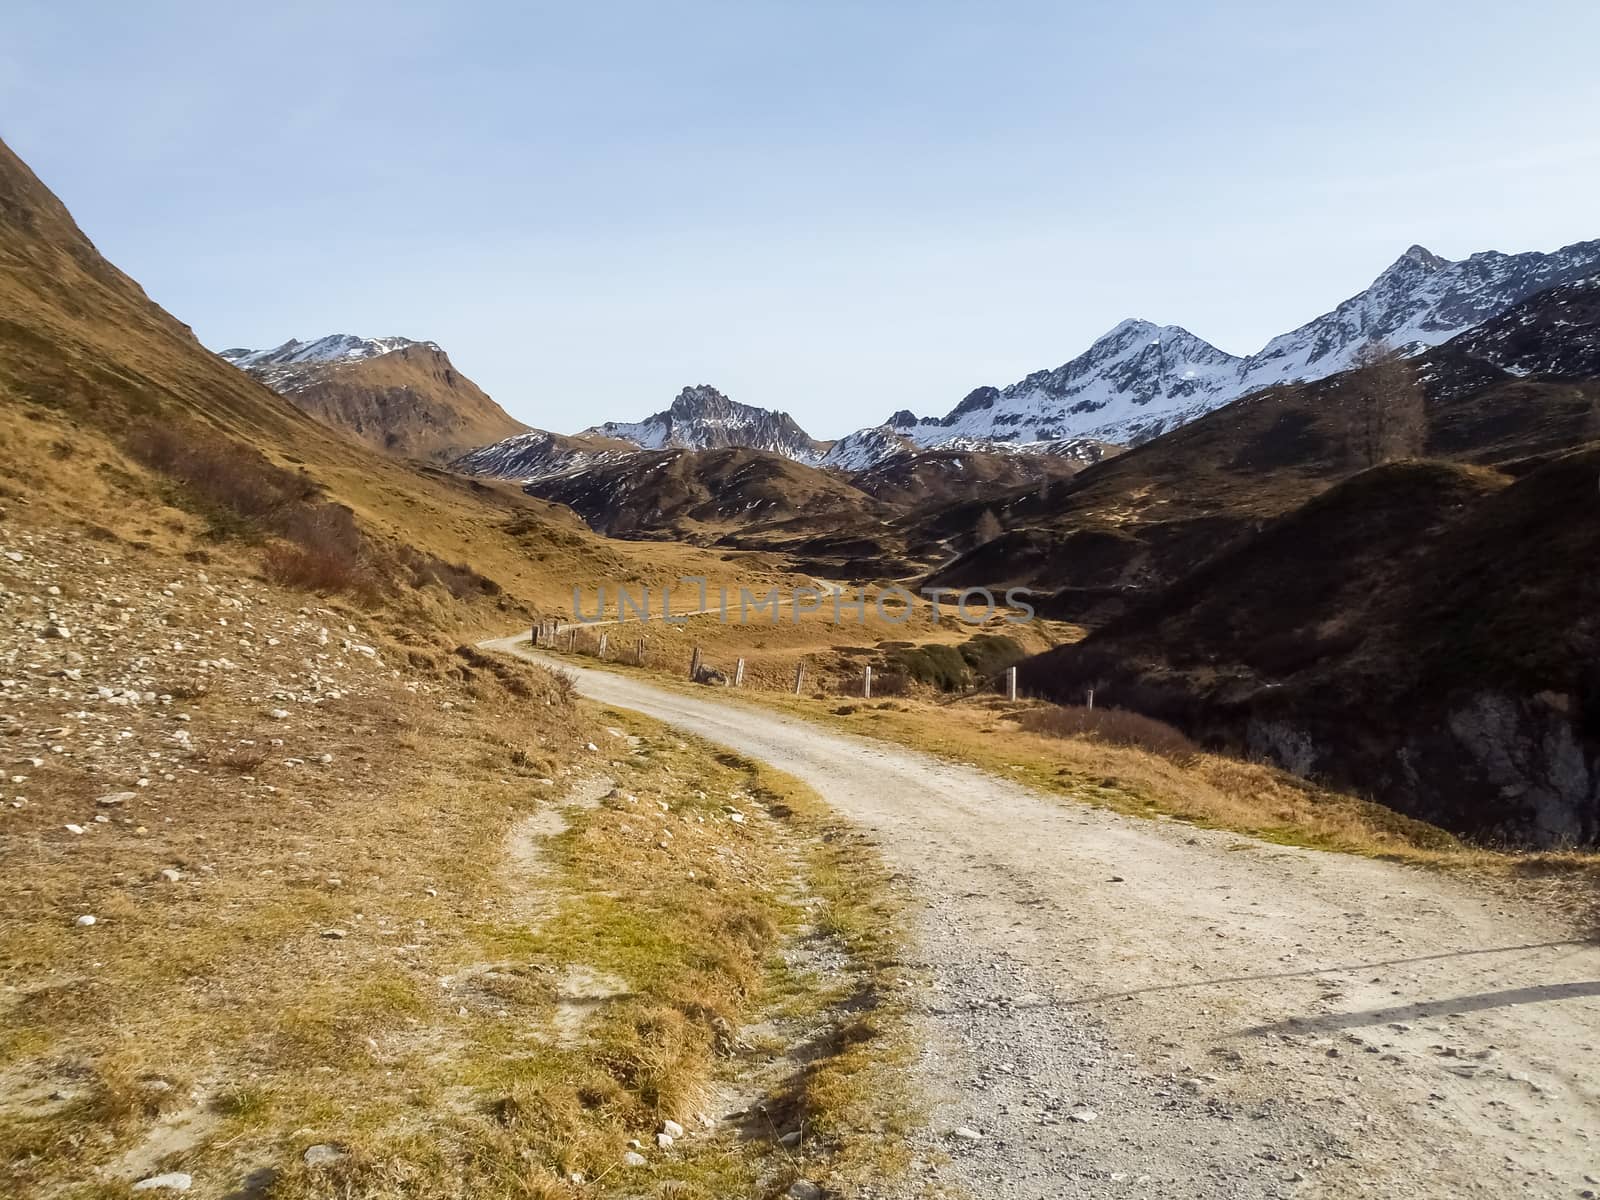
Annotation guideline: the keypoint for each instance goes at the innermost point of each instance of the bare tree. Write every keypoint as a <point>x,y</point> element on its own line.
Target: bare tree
<point>1390,419</point>
<point>987,529</point>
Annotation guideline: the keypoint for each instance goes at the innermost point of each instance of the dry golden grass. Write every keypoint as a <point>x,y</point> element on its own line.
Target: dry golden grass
<point>832,651</point>
<point>352,956</point>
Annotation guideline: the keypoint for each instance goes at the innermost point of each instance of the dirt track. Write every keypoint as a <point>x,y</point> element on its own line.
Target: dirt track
<point>1133,1007</point>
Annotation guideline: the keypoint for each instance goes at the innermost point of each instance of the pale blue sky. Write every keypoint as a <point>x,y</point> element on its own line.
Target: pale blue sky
<point>838,209</point>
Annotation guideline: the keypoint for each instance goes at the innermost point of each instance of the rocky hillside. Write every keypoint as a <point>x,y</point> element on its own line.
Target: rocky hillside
<point>1141,379</point>
<point>393,394</point>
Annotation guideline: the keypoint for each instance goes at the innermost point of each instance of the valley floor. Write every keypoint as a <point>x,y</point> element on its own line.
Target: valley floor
<point>1124,1005</point>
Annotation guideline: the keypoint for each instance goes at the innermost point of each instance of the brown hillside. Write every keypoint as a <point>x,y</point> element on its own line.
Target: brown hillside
<point>410,402</point>
<point>705,495</point>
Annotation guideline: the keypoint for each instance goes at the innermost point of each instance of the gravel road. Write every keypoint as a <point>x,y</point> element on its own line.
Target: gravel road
<point>1124,1007</point>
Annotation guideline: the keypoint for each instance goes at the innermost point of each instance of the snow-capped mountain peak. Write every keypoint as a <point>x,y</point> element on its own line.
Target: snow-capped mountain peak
<point>1140,379</point>
<point>1136,374</point>
<point>335,347</point>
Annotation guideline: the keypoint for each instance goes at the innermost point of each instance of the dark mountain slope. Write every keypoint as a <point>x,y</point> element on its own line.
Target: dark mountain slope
<point>933,478</point>
<point>1424,632</point>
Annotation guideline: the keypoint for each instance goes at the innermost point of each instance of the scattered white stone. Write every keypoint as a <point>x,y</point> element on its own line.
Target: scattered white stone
<point>171,875</point>
<point>1085,1116</point>
<point>804,1189</point>
<point>664,1141</point>
<point>965,1133</point>
<point>322,1155</point>
<point>278,714</point>
<point>74,828</point>
<point>172,1181</point>
<point>672,1129</point>
<point>84,921</point>
<point>335,934</point>
<point>115,798</point>
<point>13,556</point>
<point>59,632</point>
<point>634,1159</point>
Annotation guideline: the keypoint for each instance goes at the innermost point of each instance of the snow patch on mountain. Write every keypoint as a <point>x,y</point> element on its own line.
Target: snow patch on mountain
<point>866,447</point>
<point>336,347</point>
<point>535,456</point>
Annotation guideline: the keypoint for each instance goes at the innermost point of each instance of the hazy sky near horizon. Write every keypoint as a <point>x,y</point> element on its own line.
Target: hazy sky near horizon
<point>836,209</point>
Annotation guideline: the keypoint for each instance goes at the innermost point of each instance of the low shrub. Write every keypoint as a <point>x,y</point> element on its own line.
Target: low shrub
<point>988,654</point>
<point>227,477</point>
<point>460,580</point>
<point>323,569</point>
<point>241,493</point>
<point>937,666</point>
<point>1115,726</point>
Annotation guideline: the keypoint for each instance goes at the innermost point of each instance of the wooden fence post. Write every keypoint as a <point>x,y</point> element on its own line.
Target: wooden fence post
<point>799,677</point>
<point>694,663</point>
<point>1011,683</point>
<point>738,674</point>
<point>866,684</point>
<point>572,641</point>
<point>639,653</point>
<point>604,637</point>
<point>1091,697</point>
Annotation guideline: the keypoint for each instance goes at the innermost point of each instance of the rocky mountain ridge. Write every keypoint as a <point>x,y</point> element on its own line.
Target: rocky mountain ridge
<point>702,418</point>
<point>1141,379</point>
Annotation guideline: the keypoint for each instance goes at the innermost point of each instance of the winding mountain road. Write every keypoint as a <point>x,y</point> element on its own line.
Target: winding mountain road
<point>1117,1006</point>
